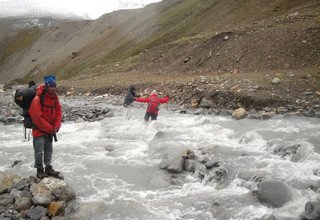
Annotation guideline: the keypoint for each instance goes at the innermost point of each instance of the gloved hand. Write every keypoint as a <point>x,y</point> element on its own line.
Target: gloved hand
<point>55,130</point>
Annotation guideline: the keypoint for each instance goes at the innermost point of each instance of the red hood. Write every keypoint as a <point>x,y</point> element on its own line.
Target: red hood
<point>154,95</point>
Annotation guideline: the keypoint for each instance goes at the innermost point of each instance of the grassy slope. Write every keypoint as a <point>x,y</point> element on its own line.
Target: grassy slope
<point>176,23</point>
<point>22,40</point>
<point>182,21</point>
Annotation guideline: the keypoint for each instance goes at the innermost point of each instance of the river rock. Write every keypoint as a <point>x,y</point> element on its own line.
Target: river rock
<point>239,113</point>
<point>211,163</point>
<point>6,199</point>
<point>173,165</point>
<point>17,194</point>
<point>176,166</point>
<point>51,188</point>
<point>205,103</point>
<point>285,151</point>
<point>190,165</point>
<point>37,213</point>
<point>56,208</point>
<point>275,192</point>
<point>6,180</point>
<point>312,211</point>
<point>22,204</point>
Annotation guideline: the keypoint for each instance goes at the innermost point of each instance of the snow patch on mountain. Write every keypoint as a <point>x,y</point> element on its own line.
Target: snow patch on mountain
<point>70,9</point>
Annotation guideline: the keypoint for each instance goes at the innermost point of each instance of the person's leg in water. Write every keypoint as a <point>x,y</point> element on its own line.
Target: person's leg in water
<point>153,117</point>
<point>147,116</point>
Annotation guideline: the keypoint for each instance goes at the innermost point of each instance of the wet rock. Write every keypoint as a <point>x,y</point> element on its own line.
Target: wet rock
<point>56,208</point>
<point>220,173</point>
<point>16,163</point>
<point>41,195</point>
<point>6,199</point>
<point>37,213</point>
<point>109,148</point>
<point>183,109</point>
<point>311,211</point>
<point>165,162</point>
<point>285,151</point>
<point>275,192</point>
<point>50,189</point>
<point>194,102</point>
<point>176,166</point>
<point>159,134</point>
<point>190,165</point>
<point>211,163</point>
<point>268,217</point>
<point>6,180</point>
<point>20,185</point>
<point>203,159</point>
<point>199,111</point>
<point>266,115</point>
<point>17,194</point>
<point>205,103</point>
<point>23,204</point>
<point>6,87</point>
<point>239,113</point>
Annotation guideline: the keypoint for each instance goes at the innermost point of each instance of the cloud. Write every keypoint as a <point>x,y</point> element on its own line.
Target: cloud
<point>83,8</point>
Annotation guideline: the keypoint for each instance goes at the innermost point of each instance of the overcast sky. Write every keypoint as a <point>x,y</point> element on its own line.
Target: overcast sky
<point>91,8</point>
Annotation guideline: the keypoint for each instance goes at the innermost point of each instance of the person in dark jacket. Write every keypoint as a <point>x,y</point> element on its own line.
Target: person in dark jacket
<point>32,84</point>
<point>131,95</point>
<point>45,112</point>
<point>129,99</point>
<point>153,105</point>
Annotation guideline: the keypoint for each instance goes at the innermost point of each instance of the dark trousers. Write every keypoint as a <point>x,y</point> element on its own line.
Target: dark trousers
<point>150,115</point>
<point>42,149</point>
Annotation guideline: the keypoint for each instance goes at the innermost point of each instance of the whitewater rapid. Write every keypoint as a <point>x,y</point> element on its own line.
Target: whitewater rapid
<point>113,164</point>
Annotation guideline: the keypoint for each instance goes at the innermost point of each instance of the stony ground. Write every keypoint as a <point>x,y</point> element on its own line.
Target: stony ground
<point>255,89</point>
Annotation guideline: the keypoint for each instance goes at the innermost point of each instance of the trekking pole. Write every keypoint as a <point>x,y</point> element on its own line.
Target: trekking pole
<point>55,137</point>
<point>25,133</point>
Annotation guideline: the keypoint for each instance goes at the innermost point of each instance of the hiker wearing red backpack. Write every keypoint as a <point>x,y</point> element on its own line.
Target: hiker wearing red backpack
<point>45,113</point>
<point>153,105</point>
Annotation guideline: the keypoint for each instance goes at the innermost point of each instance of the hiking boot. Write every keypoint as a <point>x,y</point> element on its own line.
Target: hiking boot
<point>51,172</point>
<point>41,174</point>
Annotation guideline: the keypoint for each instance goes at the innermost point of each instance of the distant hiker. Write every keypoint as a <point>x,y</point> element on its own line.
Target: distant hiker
<point>130,97</point>
<point>32,84</point>
<point>153,105</point>
<point>45,112</point>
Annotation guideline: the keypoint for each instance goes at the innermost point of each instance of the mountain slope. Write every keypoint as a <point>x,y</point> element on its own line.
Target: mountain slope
<point>177,36</point>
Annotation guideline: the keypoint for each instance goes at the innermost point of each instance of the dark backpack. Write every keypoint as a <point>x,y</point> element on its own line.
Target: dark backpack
<point>23,98</point>
<point>153,105</point>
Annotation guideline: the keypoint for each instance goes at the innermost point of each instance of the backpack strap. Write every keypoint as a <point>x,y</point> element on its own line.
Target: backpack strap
<point>42,95</point>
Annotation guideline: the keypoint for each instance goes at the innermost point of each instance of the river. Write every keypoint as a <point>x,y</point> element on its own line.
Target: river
<point>113,164</point>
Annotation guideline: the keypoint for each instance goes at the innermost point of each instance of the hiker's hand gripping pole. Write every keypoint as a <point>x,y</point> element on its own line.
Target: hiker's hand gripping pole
<point>55,137</point>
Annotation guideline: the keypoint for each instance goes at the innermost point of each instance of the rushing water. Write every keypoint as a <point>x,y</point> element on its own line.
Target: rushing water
<point>113,164</point>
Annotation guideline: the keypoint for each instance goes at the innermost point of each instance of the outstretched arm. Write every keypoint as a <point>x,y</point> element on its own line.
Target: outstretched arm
<point>142,99</point>
<point>164,99</point>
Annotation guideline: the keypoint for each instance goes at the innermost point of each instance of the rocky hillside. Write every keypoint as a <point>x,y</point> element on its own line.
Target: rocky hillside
<point>236,45</point>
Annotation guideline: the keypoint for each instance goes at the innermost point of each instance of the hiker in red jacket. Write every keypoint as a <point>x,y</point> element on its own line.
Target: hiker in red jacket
<point>45,113</point>
<point>153,105</point>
